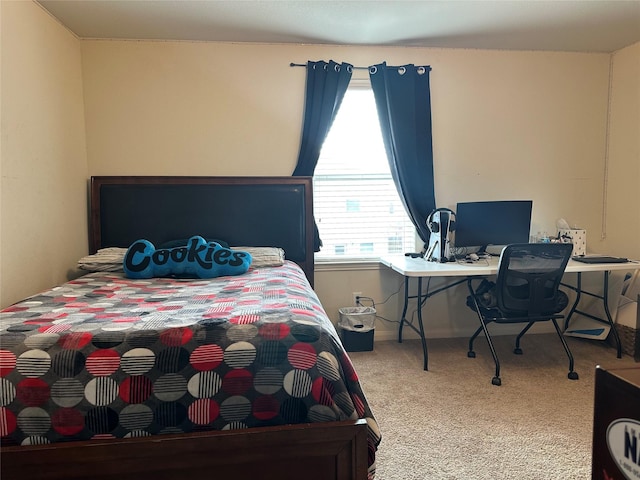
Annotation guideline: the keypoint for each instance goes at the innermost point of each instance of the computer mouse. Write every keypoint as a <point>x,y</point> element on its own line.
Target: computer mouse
<point>473,256</point>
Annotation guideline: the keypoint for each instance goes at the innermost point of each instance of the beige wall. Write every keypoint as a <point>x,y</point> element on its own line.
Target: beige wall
<point>536,119</point>
<point>506,125</point>
<point>44,166</point>
<point>623,192</point>
<point>175,108</point>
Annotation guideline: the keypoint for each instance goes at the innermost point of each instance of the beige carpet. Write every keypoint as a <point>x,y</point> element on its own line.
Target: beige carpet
<point>452,423</point>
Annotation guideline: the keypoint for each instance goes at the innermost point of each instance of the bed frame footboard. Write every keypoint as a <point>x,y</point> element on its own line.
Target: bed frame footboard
<point>319,451</point>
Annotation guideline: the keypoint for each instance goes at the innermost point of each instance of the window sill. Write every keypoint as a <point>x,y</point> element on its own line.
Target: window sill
<point>328,265</point>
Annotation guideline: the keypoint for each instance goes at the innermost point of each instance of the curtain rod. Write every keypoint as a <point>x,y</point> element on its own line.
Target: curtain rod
<point>426,68</point>
<point>304,65</point>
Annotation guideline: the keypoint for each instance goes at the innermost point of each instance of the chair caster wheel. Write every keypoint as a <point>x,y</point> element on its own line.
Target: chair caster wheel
<point>573,376</point>
<point>471,354</point>
<point>496,381</point>
<point>517,351</point>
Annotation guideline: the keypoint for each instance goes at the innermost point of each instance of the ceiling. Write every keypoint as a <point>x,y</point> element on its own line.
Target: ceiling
<point>560,25</point>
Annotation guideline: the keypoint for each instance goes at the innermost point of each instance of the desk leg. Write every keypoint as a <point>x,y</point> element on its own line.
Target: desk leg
<point>403,318</point>
<point>578,290</point>
<point>424,340</point>
<point>605,300</point>
<point>421,301</point>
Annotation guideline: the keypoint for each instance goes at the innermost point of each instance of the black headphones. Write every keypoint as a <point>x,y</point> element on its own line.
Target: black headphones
<point>435,227</point>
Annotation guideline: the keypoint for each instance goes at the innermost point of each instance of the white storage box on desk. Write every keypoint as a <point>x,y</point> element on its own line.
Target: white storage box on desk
<point>576,236</point>
<point>357,328</point>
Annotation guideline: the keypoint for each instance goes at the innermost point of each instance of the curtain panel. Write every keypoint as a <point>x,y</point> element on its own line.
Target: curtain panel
<point>326,85</point>
<point>403,101</point>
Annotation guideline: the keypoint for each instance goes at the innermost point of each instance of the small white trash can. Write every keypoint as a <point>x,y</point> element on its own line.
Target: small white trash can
<point>356,327</point>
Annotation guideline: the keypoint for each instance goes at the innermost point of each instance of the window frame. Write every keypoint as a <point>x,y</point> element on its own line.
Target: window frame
<point>323,257</point>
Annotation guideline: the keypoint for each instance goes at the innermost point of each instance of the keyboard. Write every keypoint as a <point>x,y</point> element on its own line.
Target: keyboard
<point>600,259</point>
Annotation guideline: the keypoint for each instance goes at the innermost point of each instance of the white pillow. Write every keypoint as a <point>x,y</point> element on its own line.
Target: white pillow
<point>264,256</point>
<point>105,260</point>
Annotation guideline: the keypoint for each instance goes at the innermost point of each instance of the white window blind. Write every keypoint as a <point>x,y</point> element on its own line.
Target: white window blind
<point>357,208</point>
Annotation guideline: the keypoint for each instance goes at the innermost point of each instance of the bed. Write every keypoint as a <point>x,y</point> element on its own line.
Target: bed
<point>237,376</point>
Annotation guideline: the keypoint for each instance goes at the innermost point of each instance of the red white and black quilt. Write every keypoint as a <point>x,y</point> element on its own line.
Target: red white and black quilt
<point>105,356</point>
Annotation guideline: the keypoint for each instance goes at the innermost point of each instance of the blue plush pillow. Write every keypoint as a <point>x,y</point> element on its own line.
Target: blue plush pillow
<point>197,259</point>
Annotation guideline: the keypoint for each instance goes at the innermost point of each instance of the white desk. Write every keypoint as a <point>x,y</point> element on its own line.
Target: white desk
<point>459,272</point>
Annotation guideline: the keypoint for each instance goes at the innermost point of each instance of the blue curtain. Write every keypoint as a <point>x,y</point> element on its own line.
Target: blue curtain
<point>403,101</point>
<point>325,89</point>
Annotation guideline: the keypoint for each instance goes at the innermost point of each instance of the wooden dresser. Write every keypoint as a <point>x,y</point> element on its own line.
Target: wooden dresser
<point>616,424</point>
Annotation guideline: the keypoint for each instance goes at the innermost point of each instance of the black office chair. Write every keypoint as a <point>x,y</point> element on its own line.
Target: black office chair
<point>526,290</point>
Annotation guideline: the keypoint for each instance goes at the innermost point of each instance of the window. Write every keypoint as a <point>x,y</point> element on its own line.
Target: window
<point>357,208</point>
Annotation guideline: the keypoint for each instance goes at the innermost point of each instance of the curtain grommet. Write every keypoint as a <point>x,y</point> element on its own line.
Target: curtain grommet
<point>402,70</point>
<point>373,70</point>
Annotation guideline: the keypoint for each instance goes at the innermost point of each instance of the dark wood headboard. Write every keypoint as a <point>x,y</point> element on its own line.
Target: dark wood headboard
<point>242,211</point>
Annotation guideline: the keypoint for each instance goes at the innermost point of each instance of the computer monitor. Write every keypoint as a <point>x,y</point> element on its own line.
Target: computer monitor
<point>480,224</point>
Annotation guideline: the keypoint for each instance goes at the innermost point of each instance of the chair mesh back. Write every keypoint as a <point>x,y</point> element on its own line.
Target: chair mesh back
<point>529,277</point>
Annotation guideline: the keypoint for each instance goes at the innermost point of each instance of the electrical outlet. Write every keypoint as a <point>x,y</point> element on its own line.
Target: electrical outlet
<point>355,298</point>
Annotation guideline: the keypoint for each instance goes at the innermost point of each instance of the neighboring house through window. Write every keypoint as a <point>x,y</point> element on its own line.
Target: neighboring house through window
<point>356,205</point>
